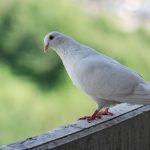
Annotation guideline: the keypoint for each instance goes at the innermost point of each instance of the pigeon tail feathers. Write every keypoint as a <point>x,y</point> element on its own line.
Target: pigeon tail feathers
<point>141,95</point>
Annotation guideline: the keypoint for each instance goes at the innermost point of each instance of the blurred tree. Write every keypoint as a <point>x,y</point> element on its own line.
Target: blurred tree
<point>22,27</point>
<point>24,24</point>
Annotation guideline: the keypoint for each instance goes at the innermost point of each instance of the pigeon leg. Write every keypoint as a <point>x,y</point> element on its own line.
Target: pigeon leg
<point>89,118</point>
<point>98,114</point>
<point>105,112</point>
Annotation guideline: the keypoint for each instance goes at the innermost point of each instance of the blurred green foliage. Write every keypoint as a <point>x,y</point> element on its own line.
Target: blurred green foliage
<point>29,101</point>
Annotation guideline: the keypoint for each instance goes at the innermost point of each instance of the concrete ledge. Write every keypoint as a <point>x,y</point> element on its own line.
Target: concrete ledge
<point>128,129</point>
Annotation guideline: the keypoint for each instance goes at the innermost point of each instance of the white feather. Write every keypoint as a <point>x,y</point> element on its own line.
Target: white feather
<point>98,75</point>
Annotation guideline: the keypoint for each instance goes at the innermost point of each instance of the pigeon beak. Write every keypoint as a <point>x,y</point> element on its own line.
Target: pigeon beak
<point>46,48</point>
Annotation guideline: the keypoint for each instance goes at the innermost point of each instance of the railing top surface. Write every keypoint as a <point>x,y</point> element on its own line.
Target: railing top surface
<point>80,128</point>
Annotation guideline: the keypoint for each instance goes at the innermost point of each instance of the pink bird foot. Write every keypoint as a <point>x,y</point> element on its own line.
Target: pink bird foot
<point>96,115</point>
<point>93,117</point>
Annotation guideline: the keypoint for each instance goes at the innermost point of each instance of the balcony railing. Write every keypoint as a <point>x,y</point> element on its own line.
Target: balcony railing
<point>127,129</point>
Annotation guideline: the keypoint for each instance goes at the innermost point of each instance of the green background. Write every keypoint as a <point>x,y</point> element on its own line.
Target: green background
<point>36,93</point>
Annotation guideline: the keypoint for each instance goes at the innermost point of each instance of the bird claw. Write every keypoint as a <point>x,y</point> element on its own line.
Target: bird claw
<point>90,118</point>
<point>85,118</point>
<point>96,115</point>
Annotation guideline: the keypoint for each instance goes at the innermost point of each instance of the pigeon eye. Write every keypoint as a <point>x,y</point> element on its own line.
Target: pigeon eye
<point>51,37</point>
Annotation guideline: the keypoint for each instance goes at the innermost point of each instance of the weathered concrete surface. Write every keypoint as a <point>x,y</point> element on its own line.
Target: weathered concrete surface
<point>128,129</point>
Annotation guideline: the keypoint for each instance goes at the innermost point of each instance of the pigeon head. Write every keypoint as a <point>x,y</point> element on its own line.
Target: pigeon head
<point>55,40</point>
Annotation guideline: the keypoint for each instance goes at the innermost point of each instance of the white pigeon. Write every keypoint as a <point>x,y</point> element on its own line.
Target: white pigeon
<point>99,76</point>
